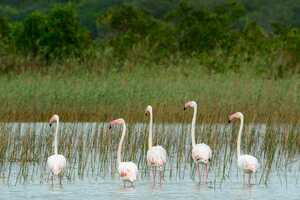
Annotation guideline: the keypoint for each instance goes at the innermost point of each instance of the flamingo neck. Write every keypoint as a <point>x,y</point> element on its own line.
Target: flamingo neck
<point>150,131</point>
<point>121,143</point>
<point>239,137</point>
<point>56,138</point>
<point>193,126</point>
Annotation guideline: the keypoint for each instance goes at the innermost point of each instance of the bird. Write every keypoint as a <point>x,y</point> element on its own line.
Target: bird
<point>248,163</point>
<point>156,155</point>
<point>201,153</point>
<point>56,162</point>
<point>128,171</point>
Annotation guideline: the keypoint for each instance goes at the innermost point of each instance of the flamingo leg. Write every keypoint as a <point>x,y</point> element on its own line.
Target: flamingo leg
<point>124,184</point>
<point>52,177</point>
<point>163,173</point>
<point>60,179</point>
<point>150,172</point>
<point>161,176</point>
<point>154,174</point>
<point>206,173</point>
<point>198,172</point>
<point>249,179</point>
<point>244,178</point>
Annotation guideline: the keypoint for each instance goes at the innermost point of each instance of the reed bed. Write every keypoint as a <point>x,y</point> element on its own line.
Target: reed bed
<point>90,149</point>
<point>86,96</point>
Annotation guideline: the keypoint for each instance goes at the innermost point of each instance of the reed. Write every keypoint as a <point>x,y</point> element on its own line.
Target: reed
<point>101,97</point>
<point>90,149</point>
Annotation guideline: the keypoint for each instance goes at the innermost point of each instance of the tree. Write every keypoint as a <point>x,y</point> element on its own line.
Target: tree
<point>32,32</point>
<point>4,27</point>
<point>65,36</point>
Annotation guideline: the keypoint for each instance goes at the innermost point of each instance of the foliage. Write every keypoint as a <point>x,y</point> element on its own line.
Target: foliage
<point>54,36</point>
<point>133,32</point>
<point>34,28</point>
<point>4,27</point>
<point>126,25</point>
<point>201,29</point>
<point>64,35</point>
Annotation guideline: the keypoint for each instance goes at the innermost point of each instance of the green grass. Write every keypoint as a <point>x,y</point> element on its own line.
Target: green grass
<point>82,95</point>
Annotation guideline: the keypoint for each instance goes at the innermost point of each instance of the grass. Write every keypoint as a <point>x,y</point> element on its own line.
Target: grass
<point>86,96</point>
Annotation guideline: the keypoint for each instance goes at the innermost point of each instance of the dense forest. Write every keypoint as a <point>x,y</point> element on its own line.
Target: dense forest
<point>221,35</point>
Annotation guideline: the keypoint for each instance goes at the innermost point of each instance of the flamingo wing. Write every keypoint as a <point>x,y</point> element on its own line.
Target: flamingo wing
<point>156,156</point>
<point>201,153</point>
<point>128,171</point>
<point>56,163</point>
<point>248,163</point>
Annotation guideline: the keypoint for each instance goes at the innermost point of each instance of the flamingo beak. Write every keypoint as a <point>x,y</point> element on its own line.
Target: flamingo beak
<point>146,113</point>
<point>229,121</point>
<point>50,124</point>
<point>109,126</point>
<point>184,108</point>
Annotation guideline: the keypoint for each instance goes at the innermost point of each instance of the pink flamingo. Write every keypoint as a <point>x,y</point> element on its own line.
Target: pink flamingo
<point>128,171</point>
<point>56,163</point>
<point>156,155</point>
<point>247,163</point>
<point>201,153</point>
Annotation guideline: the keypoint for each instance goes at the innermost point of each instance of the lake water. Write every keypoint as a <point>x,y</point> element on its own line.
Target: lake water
<point>91,152</point>
<point>183,189</point>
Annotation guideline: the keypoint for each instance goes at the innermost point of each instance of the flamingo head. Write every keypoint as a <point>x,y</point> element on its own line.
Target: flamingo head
<point>200,159</point>
<point>189,104</point>
<point>148,110</point>
<point>204,161</point>
<point>116,121</point>
<point>54,118</point>
<point>236,115</point>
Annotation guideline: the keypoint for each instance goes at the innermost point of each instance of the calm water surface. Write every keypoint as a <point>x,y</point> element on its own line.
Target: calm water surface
<point>183,189</point>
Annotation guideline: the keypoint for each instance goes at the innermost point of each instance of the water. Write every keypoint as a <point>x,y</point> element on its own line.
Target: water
<point>183,189</point>
<point>91,152</point>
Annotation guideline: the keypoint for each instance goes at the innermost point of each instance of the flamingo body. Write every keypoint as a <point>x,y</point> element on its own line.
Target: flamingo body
<point>249,164</point>
<point>156,156</point>
<point>128,171</point>
<point>201,153</point>
<point>56,163</point>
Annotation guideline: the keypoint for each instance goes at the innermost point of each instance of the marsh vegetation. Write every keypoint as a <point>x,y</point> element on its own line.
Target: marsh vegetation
<point>90,149</point>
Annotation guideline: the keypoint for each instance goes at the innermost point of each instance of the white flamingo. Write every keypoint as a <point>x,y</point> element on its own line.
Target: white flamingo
<point>156,155</point>
<point>128,171</point>
<point>57,162</point>
<point>201,153</point>
<point>247,163</point>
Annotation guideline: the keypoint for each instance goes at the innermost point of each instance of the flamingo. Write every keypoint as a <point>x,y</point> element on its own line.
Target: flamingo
<point>247,163</point>
<point>156,155</point>
<point>201,153</point>
<point>57,162</point>
<point>128,171</point>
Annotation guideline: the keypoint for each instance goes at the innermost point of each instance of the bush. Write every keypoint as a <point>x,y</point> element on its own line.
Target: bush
<point>65,36</point>
<point>33,31</point>
<point>125,25</point>
<point>4,27</point>
<point>53,36</point>
<point>200,30</point>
